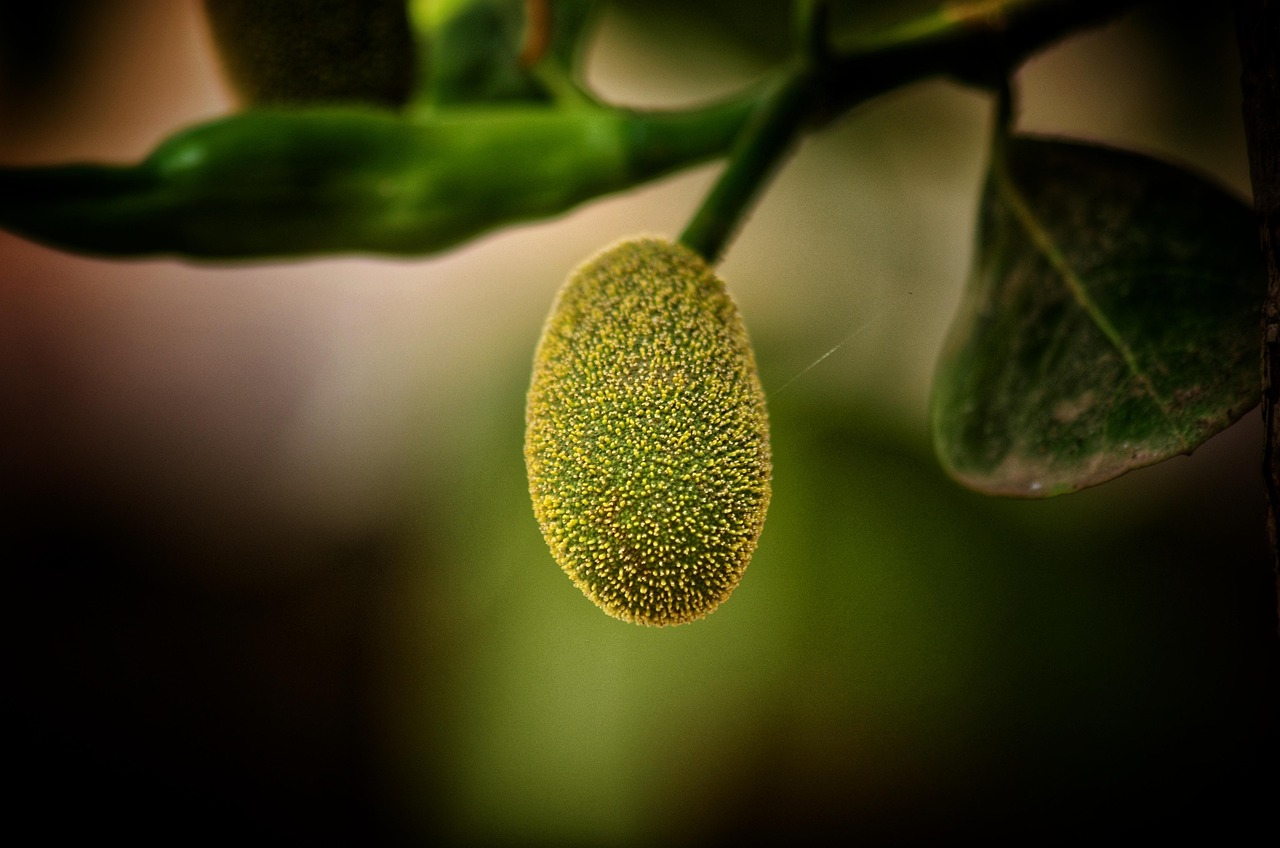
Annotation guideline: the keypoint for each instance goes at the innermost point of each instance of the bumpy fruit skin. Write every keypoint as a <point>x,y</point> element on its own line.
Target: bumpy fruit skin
<point>647,440</point>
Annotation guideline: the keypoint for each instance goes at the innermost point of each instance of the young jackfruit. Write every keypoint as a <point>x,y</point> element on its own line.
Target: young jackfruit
<point>647,441</point>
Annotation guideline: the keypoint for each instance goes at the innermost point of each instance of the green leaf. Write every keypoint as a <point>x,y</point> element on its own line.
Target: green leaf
<point>1111,321</point>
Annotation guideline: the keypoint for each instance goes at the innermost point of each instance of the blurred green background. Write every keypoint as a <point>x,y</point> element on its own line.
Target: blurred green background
<point>271,567</point>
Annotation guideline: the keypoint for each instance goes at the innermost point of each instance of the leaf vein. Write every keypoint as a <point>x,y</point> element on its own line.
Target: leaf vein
<point>1049,247</point>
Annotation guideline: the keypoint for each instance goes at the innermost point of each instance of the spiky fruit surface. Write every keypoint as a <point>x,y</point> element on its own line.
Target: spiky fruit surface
<point>647,439</point>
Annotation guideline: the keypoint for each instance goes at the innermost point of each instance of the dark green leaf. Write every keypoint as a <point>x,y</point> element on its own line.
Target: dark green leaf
<point>1111,321</point>
<point>308,52</point>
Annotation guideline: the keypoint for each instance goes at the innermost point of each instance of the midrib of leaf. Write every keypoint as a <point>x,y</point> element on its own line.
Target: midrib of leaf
<point>1049,248</point>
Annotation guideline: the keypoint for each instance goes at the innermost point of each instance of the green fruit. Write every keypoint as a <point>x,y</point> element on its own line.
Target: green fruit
<point>647,441</point>
<point>295,52</point>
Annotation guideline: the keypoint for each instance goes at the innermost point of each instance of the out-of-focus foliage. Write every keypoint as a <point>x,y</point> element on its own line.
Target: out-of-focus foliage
<point>294,52</point>
<point>300,176</point>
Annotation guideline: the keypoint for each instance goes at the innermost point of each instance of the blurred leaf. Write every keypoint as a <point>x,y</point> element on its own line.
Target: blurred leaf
<point>1110,321</point>
<point>309,51</point>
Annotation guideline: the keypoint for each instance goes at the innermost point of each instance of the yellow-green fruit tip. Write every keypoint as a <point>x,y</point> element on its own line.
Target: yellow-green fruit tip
<point>647,440</point>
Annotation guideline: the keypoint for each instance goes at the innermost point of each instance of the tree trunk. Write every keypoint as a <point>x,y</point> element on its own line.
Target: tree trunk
<point>1258,23</point>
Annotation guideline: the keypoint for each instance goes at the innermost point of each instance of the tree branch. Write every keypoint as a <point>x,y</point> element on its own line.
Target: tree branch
<point>313,182</point>
<point>978,42</point>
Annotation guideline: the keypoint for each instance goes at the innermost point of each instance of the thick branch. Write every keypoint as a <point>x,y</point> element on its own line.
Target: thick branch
<point>1258,22</point>
<point>978,41</point>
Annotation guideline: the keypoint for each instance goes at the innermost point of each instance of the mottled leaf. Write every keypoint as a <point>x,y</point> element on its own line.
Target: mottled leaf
<point>1111,321</point>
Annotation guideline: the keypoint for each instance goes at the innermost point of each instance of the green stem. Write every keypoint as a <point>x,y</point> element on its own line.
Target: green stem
<point>978,41</point>
<point>661,141</point>
<point>775,127</point>
<point>752,163</point>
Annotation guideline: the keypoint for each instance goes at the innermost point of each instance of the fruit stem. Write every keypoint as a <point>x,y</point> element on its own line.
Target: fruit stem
<point>755,157</point>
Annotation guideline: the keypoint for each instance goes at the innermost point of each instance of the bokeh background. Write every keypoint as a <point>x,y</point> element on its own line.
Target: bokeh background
<point>271,570</point>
